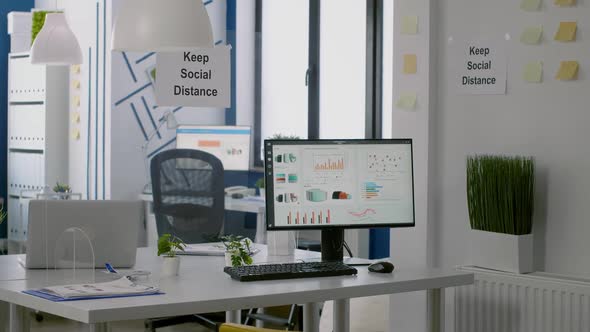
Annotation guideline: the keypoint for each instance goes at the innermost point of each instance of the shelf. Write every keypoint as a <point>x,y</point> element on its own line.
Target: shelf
<point>38,119</point>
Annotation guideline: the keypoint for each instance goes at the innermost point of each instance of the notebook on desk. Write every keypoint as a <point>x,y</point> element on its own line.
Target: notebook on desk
<point>123,287</point>
<point>210,249</point>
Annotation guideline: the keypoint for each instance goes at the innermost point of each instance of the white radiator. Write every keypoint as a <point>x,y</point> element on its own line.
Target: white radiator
<point>539,302</point>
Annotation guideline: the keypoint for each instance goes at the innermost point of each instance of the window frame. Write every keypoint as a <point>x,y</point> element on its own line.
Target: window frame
<point>374,74</point>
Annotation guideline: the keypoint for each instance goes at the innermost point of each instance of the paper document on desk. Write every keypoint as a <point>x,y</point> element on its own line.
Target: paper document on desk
<point>210,249</point>
<point>119,287</point>
<point>254,198</point>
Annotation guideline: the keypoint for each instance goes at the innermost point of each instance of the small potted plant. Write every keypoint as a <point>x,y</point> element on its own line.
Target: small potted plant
<point>2,214</point>
<point>260,185</point>
<point>237,250</point>
<point>284,137</point>
<point>500,199</point>
<point>168,245</point>
<point>62,189</point>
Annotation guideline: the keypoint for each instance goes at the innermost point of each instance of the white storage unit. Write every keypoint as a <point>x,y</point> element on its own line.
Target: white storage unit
<point>19,29</point>
<point>37,133</point>
<point>19,22</point>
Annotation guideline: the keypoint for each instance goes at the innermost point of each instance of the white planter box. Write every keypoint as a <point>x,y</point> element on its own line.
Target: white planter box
<point>503,252</point>
<point>170,266</point>
<point>227,256</point>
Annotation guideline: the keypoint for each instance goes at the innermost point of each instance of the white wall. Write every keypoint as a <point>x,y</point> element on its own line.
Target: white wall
<point>88,21</point>
<point>116,169</point>
<point>128,167</point>
<point>245,64</point>
<point>548,121</point>
<point>411,247</point>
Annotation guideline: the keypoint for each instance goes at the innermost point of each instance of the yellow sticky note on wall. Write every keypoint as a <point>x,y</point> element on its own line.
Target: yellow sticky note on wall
<point>566,31</point>
<point>76,101</point>
<point>76,134</point>
<point>76,117</point>
<point>76,69</point>
<point>568,71</point>
<point>410,64</point>
<point>564,3</point>
<point>532,35</point>
<point>407,101</point>
<point>530,5</point>
<point>410,25</point>
<point>533,72</point>
<point>76,84</point>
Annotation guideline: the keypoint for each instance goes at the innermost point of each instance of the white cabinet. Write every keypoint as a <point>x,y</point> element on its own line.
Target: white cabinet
<point>37,133</point>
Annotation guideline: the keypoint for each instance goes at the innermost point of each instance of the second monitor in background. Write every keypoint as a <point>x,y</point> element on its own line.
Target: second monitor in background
<point>231,144</point>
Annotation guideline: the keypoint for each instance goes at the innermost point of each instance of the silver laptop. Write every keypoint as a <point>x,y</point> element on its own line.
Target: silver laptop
<point>59,228</point>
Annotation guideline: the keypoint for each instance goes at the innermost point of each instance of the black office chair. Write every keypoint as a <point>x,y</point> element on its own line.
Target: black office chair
<point>188,191</point>
<point>189,203</point>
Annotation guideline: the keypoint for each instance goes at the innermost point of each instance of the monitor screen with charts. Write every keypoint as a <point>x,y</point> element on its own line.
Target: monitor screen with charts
<point>323,184</point>
<point>231,144</point>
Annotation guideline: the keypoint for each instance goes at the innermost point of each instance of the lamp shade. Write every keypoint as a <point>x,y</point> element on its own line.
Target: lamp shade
<point>161,25</point>
<point>56,44</point>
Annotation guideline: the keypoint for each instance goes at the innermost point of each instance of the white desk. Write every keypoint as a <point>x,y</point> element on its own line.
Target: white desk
<point>203,287</point>
<point>250,205</point>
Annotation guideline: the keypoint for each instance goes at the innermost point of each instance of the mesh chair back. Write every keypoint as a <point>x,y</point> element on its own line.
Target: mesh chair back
<point>188,190</point>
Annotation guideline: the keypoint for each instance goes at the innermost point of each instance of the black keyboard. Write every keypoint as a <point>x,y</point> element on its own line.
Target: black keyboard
<point>289,271</point>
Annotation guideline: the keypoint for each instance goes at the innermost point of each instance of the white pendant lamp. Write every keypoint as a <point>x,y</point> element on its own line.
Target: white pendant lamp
<point>161,25</point>
<point>56,44</point>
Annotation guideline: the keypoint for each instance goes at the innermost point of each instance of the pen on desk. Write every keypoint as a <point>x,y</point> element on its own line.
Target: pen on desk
<point>110,268</point>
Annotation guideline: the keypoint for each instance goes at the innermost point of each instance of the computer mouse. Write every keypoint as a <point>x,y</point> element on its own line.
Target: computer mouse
<point>381,267</point>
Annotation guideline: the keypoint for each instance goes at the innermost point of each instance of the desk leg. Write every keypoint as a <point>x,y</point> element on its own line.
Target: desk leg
<point>19,319</point>
<point>259,323</point>
<point>234,316</point>
<point>311,317</point>
<point>436,310</point>
<point>342,315</point>
<point>100,327</point>
<point>260,228</point>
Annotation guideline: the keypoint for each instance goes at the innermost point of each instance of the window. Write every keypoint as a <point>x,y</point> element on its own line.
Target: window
<point>320,69</point>
<point>285,40</point>
<point>343,68</point>
<point>322,74</point>
<point>386,122</point>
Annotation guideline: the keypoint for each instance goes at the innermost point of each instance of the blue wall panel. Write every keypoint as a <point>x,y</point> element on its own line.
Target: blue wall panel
<point>6,6</point>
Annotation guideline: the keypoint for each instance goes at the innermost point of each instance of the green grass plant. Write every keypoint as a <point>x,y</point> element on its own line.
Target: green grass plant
<point>500,193</point>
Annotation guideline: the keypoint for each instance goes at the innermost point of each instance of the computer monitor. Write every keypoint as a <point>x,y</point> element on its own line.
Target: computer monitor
<point>231,144</point>
<point>331,185</point>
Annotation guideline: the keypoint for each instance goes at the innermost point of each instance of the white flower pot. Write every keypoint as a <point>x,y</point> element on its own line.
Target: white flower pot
<point>170,266</point>
<point>262,192</point>
<point>503,252</point>
<point>228,259</point>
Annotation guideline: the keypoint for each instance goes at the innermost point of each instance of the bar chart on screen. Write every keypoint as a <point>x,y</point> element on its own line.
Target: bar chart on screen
<point>371,190</point>
<point>328,162</point>
<point>309,217</point>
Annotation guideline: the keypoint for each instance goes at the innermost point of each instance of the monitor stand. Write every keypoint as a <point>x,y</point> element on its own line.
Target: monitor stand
<point>333,245</point>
